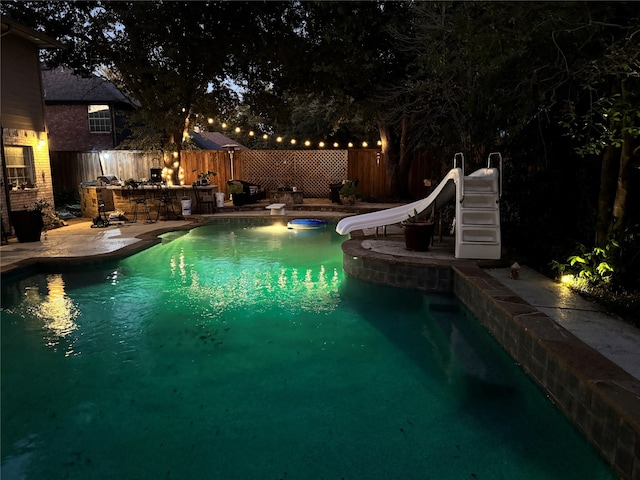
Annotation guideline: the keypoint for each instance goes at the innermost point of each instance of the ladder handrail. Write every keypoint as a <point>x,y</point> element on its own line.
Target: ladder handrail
<point>499,170</point>
<point>455,165</point>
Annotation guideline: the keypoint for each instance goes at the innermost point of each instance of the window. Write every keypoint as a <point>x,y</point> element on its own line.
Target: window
<point>99,118</point>
<point>19,165</point>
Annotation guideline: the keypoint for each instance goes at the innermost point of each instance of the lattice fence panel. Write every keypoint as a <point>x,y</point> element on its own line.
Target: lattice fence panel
<point>311,171</point>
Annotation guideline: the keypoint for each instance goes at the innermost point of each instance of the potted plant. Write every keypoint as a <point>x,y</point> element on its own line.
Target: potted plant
<point>348,192</point>
<point>28,224</point>
<point>417,232</point>
<point>204,178</point>
<point>236,191</point>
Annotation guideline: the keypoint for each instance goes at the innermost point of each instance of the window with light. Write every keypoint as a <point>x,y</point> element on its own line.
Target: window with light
<point>20,165</point>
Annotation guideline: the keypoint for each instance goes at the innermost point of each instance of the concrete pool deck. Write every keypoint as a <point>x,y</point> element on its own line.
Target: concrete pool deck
<point>587,360</point>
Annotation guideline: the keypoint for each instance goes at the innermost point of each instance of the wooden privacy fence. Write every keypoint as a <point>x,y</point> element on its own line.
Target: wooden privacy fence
<point>309,170</point>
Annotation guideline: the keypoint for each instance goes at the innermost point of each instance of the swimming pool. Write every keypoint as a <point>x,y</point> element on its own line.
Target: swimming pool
<point>243,352</point>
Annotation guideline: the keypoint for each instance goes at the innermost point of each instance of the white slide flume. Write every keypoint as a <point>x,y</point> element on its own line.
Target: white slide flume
<point>477,220</point>
<point>441,195</point>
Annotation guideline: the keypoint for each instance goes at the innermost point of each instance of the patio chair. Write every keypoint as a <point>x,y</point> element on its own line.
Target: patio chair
<point>204,201</point>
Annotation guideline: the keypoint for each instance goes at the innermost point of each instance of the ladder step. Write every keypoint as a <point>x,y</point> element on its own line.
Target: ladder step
<point>480,234</point>
<point>480,217</point>
<point>480,243</point>
<point>474,184</point>
<point>478,251</point>
<point>480,201</point>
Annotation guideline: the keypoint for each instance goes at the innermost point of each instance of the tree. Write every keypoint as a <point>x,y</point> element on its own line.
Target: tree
<point>346,58</point>
<point>486,72</point>
<point>605,120</point>
<point>172,59</point>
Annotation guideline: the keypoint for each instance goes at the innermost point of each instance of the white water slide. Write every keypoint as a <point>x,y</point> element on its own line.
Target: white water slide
<point>477,200</point>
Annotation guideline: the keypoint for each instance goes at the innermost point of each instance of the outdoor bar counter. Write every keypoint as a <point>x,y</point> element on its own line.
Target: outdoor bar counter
<point>124,198</point>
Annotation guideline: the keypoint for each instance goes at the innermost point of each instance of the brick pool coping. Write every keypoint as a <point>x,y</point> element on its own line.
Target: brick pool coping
<point>598,396</point>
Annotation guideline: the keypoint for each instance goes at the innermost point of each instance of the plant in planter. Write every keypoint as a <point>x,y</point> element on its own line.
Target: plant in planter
<point>204,178</point>
<point>236,191</point>
<point>417,232</point>
<point>348,192</point>
<point>28,224</point>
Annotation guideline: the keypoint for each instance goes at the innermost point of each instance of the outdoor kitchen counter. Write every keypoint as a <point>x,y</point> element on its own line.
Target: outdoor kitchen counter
<point>120,198</point>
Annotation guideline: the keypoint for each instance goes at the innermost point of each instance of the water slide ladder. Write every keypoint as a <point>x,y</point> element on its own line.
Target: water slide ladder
<point>477,221</point>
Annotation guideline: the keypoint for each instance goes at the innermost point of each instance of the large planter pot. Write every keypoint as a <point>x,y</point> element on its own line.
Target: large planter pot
<point>27,225</point>
<point>334,194</point>
<point>347,199</point>
<point>239,199</point>
<point>417,235</point>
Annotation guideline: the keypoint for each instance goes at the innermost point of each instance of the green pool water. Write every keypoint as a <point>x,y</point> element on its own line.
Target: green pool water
<point>238,352</point>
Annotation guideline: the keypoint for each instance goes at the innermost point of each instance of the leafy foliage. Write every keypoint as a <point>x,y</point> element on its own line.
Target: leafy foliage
<point>349,187</point>
<point>609,275</point>
<point>615,265</point>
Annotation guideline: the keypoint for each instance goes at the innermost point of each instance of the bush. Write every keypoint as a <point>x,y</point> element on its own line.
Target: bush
<point>609,275</point>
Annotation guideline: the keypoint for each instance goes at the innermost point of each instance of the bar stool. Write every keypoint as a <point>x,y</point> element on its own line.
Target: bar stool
<point>166,204</point>
<point>141,203</point>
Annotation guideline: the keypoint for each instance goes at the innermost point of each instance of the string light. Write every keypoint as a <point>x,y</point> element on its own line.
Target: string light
<point>293,141</point>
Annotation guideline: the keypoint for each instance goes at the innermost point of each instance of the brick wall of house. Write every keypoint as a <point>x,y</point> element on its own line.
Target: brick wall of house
<point>69,130</point>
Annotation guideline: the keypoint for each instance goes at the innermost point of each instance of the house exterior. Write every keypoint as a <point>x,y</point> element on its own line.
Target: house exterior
<point>83,113</point>
<point>26,169</point>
